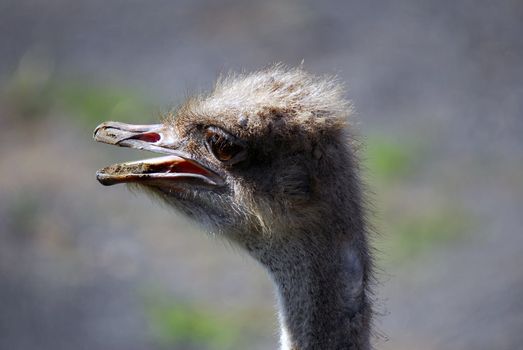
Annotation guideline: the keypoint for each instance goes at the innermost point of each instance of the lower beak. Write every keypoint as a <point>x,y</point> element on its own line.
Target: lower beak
<point>173,169</point>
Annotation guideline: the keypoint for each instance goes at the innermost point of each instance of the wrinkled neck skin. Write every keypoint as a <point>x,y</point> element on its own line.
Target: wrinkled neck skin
<point>321,289</point>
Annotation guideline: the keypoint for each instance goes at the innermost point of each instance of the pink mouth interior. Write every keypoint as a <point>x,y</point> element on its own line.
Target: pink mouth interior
<point>150,137</point>
<point>177,167</point>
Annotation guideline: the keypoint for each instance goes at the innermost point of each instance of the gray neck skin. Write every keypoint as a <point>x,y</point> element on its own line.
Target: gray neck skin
<point>321,293</point>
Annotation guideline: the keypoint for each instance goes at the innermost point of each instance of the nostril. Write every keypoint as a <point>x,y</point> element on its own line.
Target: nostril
<point>150,137</point>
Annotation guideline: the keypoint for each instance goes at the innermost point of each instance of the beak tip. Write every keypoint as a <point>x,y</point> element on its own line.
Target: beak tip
<point>94,133</point>
<point>103,179</point>
<point>97,130</point>
<point>107,133</point>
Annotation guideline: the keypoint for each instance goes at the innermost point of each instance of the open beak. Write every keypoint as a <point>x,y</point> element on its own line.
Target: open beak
<point>172,169</point>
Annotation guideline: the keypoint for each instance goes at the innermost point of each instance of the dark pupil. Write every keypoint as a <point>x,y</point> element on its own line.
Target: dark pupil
<point>222,148</point>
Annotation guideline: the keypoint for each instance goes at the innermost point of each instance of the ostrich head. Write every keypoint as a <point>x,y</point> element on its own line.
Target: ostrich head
<point>265,160</point>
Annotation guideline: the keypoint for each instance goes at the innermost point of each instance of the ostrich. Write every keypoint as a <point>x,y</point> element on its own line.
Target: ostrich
<point>266,160</point>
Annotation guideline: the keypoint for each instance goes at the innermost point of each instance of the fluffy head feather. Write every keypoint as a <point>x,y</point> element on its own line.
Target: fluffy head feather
<point>290,100</point>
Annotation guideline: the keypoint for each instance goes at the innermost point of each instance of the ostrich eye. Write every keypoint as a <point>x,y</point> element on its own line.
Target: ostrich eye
<point>223,146</point>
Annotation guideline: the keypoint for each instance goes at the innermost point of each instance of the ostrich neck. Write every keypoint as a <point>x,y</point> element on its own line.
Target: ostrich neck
<point>321,293</point>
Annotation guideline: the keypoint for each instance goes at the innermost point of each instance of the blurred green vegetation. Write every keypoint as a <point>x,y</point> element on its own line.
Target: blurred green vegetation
<point>408,236</point>
<point>33,91</point>
<point>184,325</point>
<point>88,103</point>
<point>407,224</point>
<point>98,103</point>
<point>387,160</point>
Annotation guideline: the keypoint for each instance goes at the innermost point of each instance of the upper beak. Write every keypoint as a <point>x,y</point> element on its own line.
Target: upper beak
<point>174,168</point>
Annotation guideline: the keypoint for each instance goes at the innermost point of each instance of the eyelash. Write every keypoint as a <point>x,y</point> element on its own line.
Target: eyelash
<point>222,146</point>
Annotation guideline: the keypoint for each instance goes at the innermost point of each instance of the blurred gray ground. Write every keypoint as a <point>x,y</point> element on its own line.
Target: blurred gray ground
<point>75,258</point>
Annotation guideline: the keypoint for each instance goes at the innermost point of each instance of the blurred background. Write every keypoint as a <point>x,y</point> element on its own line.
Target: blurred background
<point>438,91</point>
